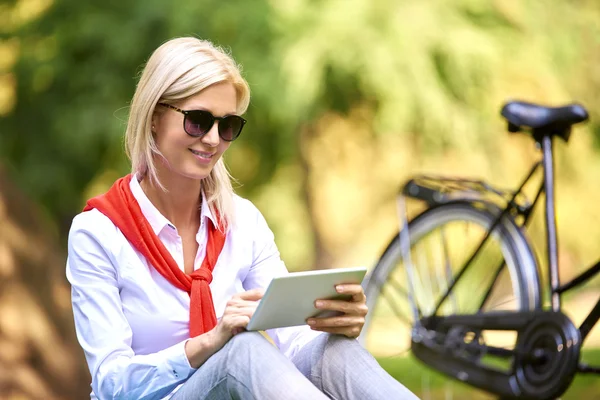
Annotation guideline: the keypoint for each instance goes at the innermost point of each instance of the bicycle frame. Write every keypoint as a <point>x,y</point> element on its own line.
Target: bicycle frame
<point>547,187</point>
<point>556,289</point>
<point>513,204</point>
<point>546,353</point>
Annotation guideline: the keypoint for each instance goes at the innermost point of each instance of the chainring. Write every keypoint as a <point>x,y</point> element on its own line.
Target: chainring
<point>556,342</point>
<point>545,357</point>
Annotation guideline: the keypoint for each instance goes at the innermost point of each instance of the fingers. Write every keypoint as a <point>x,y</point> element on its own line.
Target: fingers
<point>349,288</point>
<point>234,324</point>
<point>347,325</point>
<point>237,314</point>
<point>239,310</point>
<point>343,321</point>
<point>346,307</point>
<point>355,290</point>
<point>238,321</point>
<point>349,331</point>
<point>235,331</point>
<point>245,310</point>
<point>352,320</point>
<point>248,298</point>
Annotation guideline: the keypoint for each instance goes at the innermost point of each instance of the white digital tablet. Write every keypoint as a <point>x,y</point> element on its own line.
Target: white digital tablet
<point>290,299</point>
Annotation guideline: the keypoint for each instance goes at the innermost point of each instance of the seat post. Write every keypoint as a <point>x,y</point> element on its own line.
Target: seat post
<point>551,234</point>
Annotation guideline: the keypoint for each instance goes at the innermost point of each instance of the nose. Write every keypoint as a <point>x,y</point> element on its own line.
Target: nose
<point>211,138</point>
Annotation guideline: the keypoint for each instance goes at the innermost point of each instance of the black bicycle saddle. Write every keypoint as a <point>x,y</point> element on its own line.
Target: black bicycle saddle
<point>543,120</point>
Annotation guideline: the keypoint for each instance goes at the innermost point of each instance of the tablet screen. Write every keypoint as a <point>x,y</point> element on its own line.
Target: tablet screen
<point>289,299</point>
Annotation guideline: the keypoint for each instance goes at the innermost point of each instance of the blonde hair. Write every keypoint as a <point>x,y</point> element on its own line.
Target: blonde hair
<point>176,71</point>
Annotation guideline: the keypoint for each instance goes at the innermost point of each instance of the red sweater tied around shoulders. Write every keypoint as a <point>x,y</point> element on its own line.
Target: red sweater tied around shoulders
<point>121,207</point>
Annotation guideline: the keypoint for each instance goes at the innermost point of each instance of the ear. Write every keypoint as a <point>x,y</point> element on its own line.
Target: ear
<point>155,121</point>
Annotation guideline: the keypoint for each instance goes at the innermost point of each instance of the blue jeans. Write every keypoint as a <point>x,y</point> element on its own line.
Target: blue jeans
<point>328,367</point>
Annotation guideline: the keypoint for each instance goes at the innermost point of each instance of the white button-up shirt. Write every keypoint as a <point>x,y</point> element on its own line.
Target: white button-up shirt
<point>132,323</point>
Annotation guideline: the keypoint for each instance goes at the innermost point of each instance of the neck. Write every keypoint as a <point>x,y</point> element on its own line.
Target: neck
<point>180,204</point>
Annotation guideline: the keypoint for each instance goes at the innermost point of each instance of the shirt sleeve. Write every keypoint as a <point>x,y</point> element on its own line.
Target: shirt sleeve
<point>102,329</point>
<point>266,265</point>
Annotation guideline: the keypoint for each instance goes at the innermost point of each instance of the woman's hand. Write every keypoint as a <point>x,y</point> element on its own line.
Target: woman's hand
<point>237,314</point>
<point>353,311</point>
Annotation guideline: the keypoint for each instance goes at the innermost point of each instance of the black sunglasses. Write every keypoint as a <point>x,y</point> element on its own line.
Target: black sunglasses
<point>197,123</point>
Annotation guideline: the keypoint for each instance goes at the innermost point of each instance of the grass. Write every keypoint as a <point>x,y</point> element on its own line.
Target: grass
<point>430,385</point>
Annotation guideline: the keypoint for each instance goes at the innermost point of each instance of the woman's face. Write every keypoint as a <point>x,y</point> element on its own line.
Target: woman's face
<point>188,156</point>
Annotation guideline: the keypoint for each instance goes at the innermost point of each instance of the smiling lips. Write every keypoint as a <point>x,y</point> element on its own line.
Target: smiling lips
<point>202,155</point>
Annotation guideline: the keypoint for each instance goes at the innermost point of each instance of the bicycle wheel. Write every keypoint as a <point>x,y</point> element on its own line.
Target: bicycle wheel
<point>503,276</point>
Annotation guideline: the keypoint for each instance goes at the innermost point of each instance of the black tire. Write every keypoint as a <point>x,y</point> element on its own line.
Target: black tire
<point>514,246</point>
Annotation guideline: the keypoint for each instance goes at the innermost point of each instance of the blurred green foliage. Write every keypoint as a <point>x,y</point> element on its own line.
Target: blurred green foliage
<point>432,71</point>
<point>76,71</point>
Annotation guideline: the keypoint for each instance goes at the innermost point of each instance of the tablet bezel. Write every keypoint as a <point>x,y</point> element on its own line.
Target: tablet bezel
<point>289,299</point>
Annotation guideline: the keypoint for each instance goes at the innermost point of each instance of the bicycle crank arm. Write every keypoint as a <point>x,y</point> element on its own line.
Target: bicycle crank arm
<point>543,361</point>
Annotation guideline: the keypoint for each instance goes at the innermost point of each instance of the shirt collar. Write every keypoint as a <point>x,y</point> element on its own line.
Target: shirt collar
<point>206,212</point>
<point>155,218</point>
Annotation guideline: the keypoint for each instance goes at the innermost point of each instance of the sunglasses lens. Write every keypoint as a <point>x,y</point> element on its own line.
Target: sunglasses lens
<point>198,122</point>
<point>230,127</point>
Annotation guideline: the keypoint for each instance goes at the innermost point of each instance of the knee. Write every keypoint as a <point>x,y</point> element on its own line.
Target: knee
<point>242,353</point>
<point>341,351</point>
<point>342,344</point>
<point>253,359</point>
<point>249,340</point>
<point>249,345</point>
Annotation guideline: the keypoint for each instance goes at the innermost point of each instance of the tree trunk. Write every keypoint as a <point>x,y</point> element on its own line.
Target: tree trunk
<point>39,354</point>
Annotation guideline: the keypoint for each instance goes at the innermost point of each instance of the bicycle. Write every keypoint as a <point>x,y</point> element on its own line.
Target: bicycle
<point>505,343</point>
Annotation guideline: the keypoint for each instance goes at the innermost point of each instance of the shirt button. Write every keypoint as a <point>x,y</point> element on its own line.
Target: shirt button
<point>176,374</point>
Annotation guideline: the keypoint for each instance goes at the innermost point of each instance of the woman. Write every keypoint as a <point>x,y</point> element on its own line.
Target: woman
<point>142,257</point>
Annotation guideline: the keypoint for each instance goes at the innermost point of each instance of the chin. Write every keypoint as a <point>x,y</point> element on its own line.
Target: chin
<point>196,173</point>
<point>195,176</point>
<point>192,170</point>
